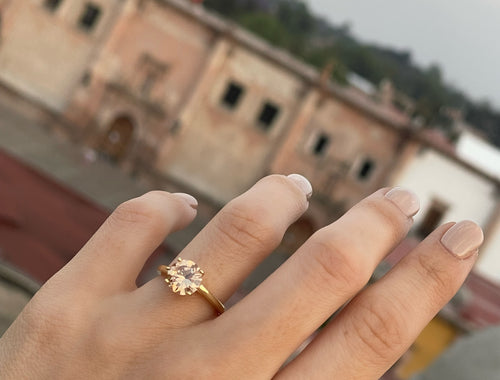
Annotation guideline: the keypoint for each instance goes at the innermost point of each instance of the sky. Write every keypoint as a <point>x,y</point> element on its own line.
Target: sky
<point>462,36</point>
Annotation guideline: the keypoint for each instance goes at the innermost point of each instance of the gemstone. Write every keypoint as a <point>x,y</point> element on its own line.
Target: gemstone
<point>185,277</point>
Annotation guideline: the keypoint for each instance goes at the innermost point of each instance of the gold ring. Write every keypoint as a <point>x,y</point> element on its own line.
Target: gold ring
<point>185,278</point>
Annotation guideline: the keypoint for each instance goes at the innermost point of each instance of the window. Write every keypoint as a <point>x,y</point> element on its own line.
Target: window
<point>321,144</point>
<point>148,84</point>
<point>366,169</point>
<point>233,95</point>
<point>268,115</point>
<point>432,218</point>
<point>52,5</point>
<point>149,76</point>
<point>86,78</point>
<point>89,17</point>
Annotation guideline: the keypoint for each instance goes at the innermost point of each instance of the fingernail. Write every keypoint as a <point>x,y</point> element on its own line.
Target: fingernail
<point>302,183</point>
<point>189,199</point>
<point>406,200</point>
<point>463,239</point>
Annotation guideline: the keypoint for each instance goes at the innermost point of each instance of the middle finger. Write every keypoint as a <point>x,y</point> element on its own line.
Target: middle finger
<point>329,269</point>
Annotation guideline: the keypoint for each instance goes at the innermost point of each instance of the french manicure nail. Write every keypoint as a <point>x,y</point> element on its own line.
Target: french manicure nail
<point>189,199</point>
<point>463,239</point>
<point>302,183</point>
<point>406,200</point>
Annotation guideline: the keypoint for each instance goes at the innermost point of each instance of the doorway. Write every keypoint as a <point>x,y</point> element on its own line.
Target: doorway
<point>118,138</point>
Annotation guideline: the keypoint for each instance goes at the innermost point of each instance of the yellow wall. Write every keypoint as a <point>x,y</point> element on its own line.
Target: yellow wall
<point>431,343</point>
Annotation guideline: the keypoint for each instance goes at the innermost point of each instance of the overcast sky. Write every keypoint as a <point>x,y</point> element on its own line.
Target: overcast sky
<point>462,36</point>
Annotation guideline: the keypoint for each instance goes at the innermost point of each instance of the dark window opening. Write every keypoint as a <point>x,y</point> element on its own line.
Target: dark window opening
<point>90,16</point>
<point>151,75</point>
<point>86,78</point>
<point>321,145</point>
<point>148,84</point>
<point>233,95</point>
<point>366,170</point>
<point>52,5</point>
<point>268,115</point>
<point>432,218</point>
<point>176,127</point>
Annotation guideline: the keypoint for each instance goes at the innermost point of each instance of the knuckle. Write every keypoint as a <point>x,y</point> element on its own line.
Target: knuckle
<point>137,211</point>
<point>285,184</point>
<point>211,369</point>
<point>55,321</point>
<point>439,277</point>
<point>337,267</point>
<point>112,342</point>
<point>107,340</point>
<point>108,344</point>
<point>380,329</point>
<point>277,179</point>
<point>248,226</point>
<point>387,220</point>
<point>205,369</point>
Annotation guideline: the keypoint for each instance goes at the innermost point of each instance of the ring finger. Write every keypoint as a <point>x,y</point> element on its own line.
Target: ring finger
<point>329,269</point>
<point>239,237</point>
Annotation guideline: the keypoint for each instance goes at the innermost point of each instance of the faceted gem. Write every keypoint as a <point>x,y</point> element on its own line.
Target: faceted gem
<point>185,277</point>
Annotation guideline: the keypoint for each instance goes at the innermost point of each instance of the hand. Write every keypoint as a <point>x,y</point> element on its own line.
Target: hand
<point>90,321</point>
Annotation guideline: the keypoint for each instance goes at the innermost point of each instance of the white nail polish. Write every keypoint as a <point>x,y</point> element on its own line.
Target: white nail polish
<point>189,199</point>
<point>302,183</point>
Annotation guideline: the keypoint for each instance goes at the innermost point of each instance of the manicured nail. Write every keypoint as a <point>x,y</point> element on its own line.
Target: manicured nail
<point>463,239</point>
<point>189,199</point>
<point>302,183</point>
<point>406,200</point>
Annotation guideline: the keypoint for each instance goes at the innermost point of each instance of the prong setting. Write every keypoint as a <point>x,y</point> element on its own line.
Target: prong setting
<point>183,277</point>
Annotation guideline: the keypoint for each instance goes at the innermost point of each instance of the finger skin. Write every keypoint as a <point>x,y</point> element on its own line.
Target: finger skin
<point>112,259</point>
<point>330,268</point>
<point>381,323</point>
<point>236,241</point>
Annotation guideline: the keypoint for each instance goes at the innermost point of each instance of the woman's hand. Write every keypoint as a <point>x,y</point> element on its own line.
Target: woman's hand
<point>90,321</point>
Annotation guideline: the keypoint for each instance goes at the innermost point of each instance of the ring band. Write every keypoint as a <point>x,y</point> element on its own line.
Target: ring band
<point>185,278</point>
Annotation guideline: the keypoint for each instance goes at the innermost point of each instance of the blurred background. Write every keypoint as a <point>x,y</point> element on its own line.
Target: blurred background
<point>103,100</point>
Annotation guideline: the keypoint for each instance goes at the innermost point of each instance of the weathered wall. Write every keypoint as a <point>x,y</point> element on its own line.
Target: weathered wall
<point>353,137</point>
<point>467,195</point>
<point>434,176</point>
<point>146,71</point>
<point>224,151</point>
<point>489,260</point>
<point>44,54</point>
<point>168,38</point>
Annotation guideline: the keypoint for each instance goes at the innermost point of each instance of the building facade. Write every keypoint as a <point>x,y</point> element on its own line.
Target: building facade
<point>207,104</point>
<point>170,91</point>
<point>453,189</point>
<point>139,83</point>
<point>345,144</point>
<point>47,45</point>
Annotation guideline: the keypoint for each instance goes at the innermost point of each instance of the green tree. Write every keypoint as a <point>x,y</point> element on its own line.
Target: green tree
<point>268,27</point>
<point>296,17</point>
<point>290,24</point>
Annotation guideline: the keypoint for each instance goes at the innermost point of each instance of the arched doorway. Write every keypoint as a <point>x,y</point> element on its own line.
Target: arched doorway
<point>118,138</point>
